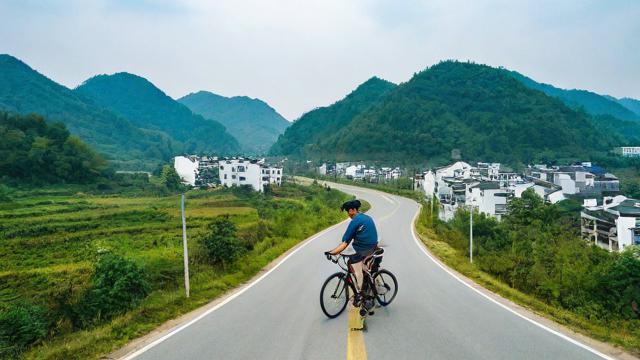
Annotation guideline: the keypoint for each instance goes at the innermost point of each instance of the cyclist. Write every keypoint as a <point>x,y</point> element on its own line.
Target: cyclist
<point>362,231</point>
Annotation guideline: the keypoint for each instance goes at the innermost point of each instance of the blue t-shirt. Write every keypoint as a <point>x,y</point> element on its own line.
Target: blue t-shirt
<point>363,232</point>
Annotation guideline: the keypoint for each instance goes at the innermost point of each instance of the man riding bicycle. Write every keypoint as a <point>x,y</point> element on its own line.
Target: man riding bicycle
<point>362,231</point>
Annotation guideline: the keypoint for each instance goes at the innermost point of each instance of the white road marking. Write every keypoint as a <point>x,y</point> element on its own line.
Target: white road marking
<point>225,301</point>
<point>561,335</point>
<point>390,200</point>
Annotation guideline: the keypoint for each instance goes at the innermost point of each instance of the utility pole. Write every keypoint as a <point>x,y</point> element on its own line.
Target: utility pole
<point>471,234</point>
<point>432,198</point>
<point>184,250</point>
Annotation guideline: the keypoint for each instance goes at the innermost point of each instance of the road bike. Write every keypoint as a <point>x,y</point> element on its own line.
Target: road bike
<point>379,285</point>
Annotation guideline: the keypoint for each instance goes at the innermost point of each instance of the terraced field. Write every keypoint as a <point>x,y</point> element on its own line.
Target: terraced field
<point>50,240</point>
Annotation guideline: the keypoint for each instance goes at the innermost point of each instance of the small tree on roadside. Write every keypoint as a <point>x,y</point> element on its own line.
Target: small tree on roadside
<point>220,242</point>
<point>170,179</point>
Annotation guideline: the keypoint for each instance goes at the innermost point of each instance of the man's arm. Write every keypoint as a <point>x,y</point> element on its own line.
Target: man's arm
<point>346,239</point>
<point>340,248</point>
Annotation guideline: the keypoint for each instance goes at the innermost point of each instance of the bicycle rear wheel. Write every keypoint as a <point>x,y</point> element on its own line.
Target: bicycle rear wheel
<point>334,295</point>
<point>386,286</point>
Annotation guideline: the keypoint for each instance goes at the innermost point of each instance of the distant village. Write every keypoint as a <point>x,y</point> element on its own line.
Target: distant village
<point>210,171</point>
<point>608,219</point>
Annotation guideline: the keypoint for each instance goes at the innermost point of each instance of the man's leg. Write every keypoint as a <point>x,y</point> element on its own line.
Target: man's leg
<point>357,271</point>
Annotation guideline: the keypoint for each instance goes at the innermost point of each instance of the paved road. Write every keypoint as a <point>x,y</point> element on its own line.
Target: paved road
<point>433,317</point>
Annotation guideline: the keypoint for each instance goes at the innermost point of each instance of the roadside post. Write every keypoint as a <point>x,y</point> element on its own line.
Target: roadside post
<point>184,249</point>
<point>471,234</point>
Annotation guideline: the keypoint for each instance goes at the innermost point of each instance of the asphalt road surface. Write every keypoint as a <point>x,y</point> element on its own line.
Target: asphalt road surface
<point>434,316</point>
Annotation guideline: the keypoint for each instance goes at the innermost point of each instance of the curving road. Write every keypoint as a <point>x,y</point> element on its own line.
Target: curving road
<point>434,316</point>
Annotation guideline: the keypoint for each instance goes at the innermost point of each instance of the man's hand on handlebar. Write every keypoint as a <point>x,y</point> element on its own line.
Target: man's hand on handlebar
<point>328,255</point>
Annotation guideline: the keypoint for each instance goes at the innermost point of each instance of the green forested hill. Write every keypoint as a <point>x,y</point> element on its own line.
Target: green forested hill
<point>307,136</point>
<point>148,107</point>
<point>591,102</point>
<point>631,104</point>
<point>479,110</point>
<point>254,123</point>
<point>34,152</point>
<point>24,90</point>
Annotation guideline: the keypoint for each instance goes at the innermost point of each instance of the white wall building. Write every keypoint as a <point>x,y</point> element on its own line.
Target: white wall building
<point>614,225</point>
<point>629,151</point>
<point>238,172</point>
<point>187,169</point>
<point>272,176</point>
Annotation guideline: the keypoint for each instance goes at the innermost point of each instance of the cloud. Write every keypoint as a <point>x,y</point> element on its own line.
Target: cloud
<point>299,55</point>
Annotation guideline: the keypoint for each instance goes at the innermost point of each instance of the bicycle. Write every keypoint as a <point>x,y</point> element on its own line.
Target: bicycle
<point>378,285</point>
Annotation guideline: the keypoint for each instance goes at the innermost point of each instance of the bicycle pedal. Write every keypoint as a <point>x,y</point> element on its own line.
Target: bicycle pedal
<point>371,312</point>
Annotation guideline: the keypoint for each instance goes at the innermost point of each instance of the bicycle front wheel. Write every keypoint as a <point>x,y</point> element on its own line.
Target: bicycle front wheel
<point>334,295</point>
<point>386,286</point>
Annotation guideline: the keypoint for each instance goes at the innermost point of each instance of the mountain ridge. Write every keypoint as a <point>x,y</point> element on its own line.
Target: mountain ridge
<point>481,111</point>
<point>145,105</point>
<point>24,90</point>
<point>252,121</point>
<point>307,134</point>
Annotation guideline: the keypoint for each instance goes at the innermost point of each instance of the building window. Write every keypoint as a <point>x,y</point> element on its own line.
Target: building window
<point>233,169</point>
<point>242,178</point>
<point>233,176</point>
<point>241,169</point>
<point>225,176</point>
<point>221,167</point>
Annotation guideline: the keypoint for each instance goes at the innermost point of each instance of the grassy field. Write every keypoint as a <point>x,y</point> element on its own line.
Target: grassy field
<point>50,240</point>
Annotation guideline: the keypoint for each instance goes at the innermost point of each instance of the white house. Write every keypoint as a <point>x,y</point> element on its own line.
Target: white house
<point>271,175</point>
<point>238,172</point>
<point>489,198</point>
<point>355,171</point>
<point>322,169</point>
<point>628,151</point>
<point>187,169</point>
<point>614,225</point>
<point>565,181</point>
<point>429,184</point>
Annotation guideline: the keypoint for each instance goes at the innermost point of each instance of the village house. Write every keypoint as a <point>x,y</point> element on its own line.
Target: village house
<point>628,151</point>
<point>239,172</point>
<point>584,179</point>
<point>485,187</point>
<point>187,167</point>
<point>613,225</point>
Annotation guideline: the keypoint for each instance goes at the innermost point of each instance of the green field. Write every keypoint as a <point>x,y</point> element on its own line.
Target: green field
<point>51,239</point>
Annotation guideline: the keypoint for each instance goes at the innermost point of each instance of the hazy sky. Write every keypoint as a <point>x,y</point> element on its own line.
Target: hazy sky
<point>297,55</point>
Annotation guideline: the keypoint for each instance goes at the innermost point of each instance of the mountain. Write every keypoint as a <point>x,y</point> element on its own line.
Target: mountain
<point>24,90</point>
<point>308,136</point>
<point>631,104</point>
<point>146,106</point>
<point>592,103</point>
<point>481,111</point>
<point>254,123</point>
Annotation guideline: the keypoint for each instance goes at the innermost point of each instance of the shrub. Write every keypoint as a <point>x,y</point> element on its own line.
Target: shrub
<point>221,243</point>
<point>21,325</point>
<point>117,285</point>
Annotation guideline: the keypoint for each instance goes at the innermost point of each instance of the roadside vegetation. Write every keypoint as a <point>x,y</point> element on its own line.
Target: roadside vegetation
<point>535,257</point>
<point>84,269</point>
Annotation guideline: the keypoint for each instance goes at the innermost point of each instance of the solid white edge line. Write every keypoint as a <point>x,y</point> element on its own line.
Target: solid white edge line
<point>225,301</point>
<point>559,334</point>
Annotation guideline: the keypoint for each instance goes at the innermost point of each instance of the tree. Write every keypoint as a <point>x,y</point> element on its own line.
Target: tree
<point>221,243</point>
<point>170,178</point>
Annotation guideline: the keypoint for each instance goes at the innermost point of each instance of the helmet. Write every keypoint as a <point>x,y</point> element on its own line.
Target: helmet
<point>351,204</point>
